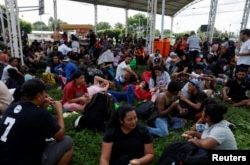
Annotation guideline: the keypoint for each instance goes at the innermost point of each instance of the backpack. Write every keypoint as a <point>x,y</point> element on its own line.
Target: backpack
<point>145,109</point>
<point>183,153</point>
<point>96,114</point>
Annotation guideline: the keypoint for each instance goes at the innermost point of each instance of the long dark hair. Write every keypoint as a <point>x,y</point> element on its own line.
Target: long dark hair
<point>119,115</point>
<point>157,67</point>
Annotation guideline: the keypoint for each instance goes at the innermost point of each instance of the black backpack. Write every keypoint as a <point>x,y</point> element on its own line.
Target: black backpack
<point>145,109</point>
<point>97,113</point>
<point>183,153</point>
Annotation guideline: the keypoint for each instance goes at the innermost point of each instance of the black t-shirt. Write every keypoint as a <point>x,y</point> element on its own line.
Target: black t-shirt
<point>127,146</point>
<point>238,91</point>
<point>23,131</point>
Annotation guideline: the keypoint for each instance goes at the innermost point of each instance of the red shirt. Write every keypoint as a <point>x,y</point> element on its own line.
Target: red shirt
<point>71,91</point>
<point>142,94</point>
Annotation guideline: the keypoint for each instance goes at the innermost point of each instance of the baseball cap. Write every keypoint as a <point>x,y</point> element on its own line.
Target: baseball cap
<point>198,84</point>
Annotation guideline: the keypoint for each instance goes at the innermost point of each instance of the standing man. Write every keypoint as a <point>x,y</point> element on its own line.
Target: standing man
<point>193,43</point>
<point>243,60</point>
<point>26,126</point>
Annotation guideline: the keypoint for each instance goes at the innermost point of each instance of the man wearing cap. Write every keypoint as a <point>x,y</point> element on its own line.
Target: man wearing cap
<point>192,104</point>
<point>27,124</point>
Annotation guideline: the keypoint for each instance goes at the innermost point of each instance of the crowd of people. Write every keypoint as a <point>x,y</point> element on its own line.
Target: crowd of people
<point>183,87</point>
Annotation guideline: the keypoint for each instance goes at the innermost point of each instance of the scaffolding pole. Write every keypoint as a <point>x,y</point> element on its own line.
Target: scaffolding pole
<point>14,29</point>
<point>3,27</point>
<point>55,14</point>
<point>211,19</point>
<point>245,15</point>
<point>96,16</point>
<point>162,18</point>
<point>152,19</point>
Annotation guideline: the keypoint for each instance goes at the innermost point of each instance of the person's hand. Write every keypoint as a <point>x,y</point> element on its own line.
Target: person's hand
<point>134,162</point>
<point>183,111</point>
<point>48,101</point>
<point>188,134</point>
<point>57,106</point>
<point>182,97</point>
<point>85,98</point>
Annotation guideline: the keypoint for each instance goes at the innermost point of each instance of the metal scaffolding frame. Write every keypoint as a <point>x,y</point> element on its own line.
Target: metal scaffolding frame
<point>150,34</point>
<point>245,15</point>
<point>211,19</point>
<point>12,13</point>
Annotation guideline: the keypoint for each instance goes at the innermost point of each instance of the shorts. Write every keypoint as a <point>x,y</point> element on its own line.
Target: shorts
<point>54,150</point>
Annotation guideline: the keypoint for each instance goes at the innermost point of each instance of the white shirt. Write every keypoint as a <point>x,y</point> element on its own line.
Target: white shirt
<point>75,46</point>
<point>245,48</point>
<point>64,49</point>
<point>193,43</point>
<point>120,69</point>
<point>222,134</point>
<point>5,74</point>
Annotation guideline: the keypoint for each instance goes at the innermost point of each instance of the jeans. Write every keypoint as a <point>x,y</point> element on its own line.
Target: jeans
<point>162,125</point>
<point>124,95</point>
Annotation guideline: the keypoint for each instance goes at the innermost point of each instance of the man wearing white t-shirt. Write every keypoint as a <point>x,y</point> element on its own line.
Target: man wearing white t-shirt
<point>244,54</point>
<point>124,71</point>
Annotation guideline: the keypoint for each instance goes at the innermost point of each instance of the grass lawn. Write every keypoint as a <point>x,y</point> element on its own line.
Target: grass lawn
<point>87,144</point>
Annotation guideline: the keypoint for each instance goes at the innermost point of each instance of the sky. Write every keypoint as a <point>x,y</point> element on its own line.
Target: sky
<point>229,14</point>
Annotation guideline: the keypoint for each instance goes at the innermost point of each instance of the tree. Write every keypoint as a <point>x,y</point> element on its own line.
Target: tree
<point>119,25</point>
<point>103,26</point>
<point>166,32</point>
<point>157,32</point>
<point>52,23</point>
<point>39,25</point>
<point>25,26</point>
<point>137,22</point>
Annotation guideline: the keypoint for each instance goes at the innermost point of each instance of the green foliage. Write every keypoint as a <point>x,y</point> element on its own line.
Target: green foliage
<point>25,26</point>
<point>137,21</point>
<point>110,32</point>
<point>157,32</point>
<point>39,25</point>
<point>119,25</point>
<point>53,23</point>
<point>87,144</point>
<point>103,26</point>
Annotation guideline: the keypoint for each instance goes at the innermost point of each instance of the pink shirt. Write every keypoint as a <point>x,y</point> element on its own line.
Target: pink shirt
<point>94,89</point>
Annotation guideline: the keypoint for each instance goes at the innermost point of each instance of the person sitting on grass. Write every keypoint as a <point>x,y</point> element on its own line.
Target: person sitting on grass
<point>75,94</point>
<point>216,135</point>
<point>126,142</point>
<point>27,126</point>
<point>235,90</point>
<point>166,103</point>
<point>124,72</point>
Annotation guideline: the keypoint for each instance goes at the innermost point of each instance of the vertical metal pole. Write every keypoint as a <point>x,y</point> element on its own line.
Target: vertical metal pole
<point>126,22</point>
<point>171,28</point>
<point>9,30</point>
<point>3,28</point>
<point>152,30</point>
<point>211,20</point>
<point>162,18</point>
<point>55,14</point>
<point>13,27</point>
<point>96,16</point>
<point>245,15</point>
<point>19,34</point>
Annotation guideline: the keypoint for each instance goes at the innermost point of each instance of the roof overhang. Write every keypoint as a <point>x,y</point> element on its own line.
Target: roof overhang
<point>172,6</point>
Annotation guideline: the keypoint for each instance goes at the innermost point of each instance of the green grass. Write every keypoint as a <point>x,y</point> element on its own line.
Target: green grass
<point>87,144</point>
